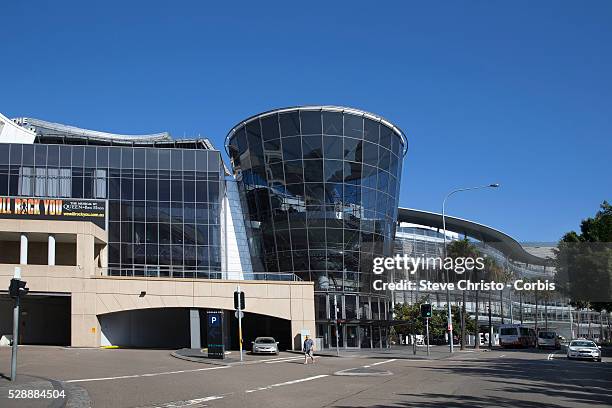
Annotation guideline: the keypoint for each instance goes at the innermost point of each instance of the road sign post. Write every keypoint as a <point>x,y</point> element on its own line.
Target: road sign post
<point>17,289</point>
<point>426,314</point>
<point>337,326</point>
<point>239,306</point>
<point>427,333</point>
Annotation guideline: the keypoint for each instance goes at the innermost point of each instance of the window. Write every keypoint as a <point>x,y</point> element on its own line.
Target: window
<point>332,148</point>
<point>332,123</point>
<point>292,148</point>
<point>289,124</point>
<point>353,126</point>
<point>371,130</point>
<point>311,122</point>
<point>269,127</point>
<point>312,147</point>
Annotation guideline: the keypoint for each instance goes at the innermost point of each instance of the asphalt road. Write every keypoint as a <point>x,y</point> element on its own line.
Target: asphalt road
<point>152,378</point>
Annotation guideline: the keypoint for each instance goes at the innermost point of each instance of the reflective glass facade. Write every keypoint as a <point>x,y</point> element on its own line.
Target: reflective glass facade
<point>163,204</point>
<point>320,190</point>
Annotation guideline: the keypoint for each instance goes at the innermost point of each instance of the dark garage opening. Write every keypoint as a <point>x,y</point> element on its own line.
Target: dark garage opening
<point>169,328</point>
<point>256,325</point>
<point>147,328</point>
<point>44,320</point>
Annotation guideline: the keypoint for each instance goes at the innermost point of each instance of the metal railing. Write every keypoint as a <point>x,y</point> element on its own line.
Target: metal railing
<point>148,271</point>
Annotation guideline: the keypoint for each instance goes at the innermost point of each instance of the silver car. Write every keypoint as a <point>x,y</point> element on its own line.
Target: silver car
<point>583,348</point>
<point>265,345</point>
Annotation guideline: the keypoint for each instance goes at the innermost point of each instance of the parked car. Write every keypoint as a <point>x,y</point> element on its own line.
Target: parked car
<point>583,349</point>
<point>265,345</point>
<point>548,339</point>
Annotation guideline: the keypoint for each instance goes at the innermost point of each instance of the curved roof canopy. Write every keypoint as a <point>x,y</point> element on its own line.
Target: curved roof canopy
<point>326,108</point>
<point>492,237</point>
<point>67,130</point>
<point>51,132</point>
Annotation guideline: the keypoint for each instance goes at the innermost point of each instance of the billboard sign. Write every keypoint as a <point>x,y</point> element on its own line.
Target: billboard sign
<point>66,209</point>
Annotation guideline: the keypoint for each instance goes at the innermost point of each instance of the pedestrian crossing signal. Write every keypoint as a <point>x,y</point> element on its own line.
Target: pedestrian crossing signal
<point>239,296</point>
<point>425,310</point>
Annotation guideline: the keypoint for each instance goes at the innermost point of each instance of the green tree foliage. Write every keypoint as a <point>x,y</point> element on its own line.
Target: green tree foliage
<point>411,314</point>
<point>584,262</point>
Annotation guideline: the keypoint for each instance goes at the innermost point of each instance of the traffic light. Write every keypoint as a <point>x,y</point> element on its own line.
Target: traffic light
<point>241,296</point>
<point>425,310</point>
<point>18,288</point>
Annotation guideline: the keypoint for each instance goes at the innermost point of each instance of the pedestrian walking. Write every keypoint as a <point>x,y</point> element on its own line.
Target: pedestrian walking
<point>308,350</point>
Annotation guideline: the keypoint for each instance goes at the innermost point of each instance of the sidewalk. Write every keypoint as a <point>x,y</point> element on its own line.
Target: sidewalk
<point>398,352</point>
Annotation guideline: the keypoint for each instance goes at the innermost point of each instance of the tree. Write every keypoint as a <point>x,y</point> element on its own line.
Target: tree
<point>495,273</point>
<point>463,249</point>
<point>584,263</point>
<point>414,324</point>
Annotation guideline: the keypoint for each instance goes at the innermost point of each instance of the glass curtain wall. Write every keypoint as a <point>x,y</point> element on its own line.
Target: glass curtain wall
<point>320,192</point>
<point>163,204</point>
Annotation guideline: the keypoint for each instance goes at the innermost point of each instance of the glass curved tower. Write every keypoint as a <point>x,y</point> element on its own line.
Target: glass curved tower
<point>319,186</point>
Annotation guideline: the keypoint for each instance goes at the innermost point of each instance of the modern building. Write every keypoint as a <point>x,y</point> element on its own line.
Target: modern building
<point>129,239</point>
<point>120,240</point>
<point>319,186</point>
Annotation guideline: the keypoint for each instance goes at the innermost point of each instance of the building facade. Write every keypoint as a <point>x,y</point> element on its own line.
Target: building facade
<point>320,187</point>
<point>128,239</point>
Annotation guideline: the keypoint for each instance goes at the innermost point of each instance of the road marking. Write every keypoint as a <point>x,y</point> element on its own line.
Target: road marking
<point>316,377</point>
<point>381,362</point>
<point>121,377</point>
<point>185,403</point>
<point>503,355</point>
<point>283,360</point>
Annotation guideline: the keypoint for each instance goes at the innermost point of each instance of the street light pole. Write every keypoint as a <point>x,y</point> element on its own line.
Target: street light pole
<point>449,318</point>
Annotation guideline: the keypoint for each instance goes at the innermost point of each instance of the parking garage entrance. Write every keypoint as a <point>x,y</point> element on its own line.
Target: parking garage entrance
<point>170,328</point>
<point>44,320</point>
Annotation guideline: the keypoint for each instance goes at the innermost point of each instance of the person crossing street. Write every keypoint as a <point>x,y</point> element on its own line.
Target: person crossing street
<point>308,350</point>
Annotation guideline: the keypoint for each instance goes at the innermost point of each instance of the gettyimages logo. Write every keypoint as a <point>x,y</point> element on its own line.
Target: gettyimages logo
<point>411,264</point>
<point>459,265</point>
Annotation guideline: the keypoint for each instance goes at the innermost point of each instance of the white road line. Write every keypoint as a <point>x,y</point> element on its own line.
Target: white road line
<point>186,403</point>
<point>145,375</point>
<point>287,383</point>
<point>503,355</point>
<point>382,362</point>
<point>283,360</point>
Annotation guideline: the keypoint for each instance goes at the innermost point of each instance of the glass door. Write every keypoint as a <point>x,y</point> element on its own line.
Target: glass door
<point>332,335</point>
<point>352,336</point>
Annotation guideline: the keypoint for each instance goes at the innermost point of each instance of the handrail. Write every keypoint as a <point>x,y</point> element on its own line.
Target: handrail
<point>168,271</point>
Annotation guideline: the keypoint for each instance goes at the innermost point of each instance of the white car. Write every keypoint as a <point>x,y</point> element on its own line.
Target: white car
<point>265,345</point>
<point>583,348</point>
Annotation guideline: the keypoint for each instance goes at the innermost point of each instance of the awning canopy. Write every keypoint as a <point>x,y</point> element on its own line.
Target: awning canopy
<point>497,239</point>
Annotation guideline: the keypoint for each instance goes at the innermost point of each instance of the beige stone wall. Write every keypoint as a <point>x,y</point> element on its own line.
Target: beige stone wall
<point>93,294</point>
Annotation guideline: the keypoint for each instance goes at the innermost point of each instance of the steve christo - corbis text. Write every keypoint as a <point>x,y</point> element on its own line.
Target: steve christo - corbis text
<point>464,284</point>
<point>459,265</point>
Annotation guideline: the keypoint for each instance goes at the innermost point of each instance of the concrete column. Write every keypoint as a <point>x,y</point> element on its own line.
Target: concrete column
<point>194,326</point>
<point>85,254</point>
<point>23,250</point>
<point>104,257</point>
<point>51,254</point>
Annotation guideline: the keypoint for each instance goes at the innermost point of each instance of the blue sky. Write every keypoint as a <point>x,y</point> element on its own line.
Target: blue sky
<point>518,93</point>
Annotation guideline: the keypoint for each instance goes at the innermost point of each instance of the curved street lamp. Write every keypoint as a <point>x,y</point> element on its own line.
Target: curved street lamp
<point>449,319</point>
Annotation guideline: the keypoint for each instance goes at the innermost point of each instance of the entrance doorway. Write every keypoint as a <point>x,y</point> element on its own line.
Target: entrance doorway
<point>352,336</point>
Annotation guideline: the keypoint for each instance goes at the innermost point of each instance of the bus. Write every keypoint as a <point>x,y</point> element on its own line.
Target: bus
<point>516,335</point>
